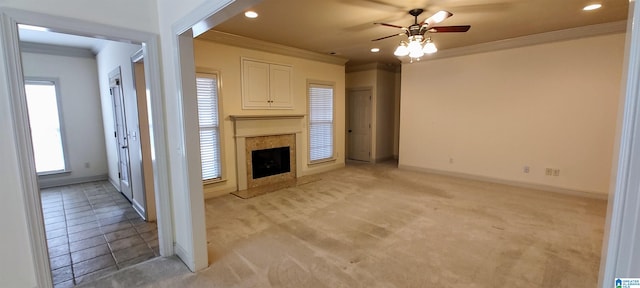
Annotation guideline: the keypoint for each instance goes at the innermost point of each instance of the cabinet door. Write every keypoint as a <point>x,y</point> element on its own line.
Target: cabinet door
<point>280,86</point>
<point>255,85</point>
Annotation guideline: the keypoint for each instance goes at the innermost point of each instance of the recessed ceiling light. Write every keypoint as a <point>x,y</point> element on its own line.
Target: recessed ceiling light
<point>592,7</point>
<point>251,14</point>
<point>375,50</point>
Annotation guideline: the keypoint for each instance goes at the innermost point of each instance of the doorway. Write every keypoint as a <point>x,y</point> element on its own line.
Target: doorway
<point>90,195</point>
<point>121,137</point>
<point>359,129</point>
<point>148,211</point>
<point>93,226</point>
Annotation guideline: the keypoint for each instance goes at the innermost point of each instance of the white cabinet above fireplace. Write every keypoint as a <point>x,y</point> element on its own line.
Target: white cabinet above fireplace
<point>266,85</point>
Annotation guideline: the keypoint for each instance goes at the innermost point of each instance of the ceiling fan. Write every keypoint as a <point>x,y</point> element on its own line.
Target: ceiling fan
<point>426,25</point>
<point>417,45</point>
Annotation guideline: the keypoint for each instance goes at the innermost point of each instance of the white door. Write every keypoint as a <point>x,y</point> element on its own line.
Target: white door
<point>280,86</point>
<point>359,125</point>
<point>255,84</point>
<point>124,171</point>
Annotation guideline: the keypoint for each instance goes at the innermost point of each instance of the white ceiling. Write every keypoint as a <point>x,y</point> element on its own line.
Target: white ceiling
<point>346,26</point>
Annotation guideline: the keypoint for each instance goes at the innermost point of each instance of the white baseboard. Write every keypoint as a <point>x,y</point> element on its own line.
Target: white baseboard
<point>586,194</point>
<point>320,169</point>
<point>382,159</point>
<point>115,183</point>
<point>218,193</point>
<point>184,256</point>
<point>46,182</point>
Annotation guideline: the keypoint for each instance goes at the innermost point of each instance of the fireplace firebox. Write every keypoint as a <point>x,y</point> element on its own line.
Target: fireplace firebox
<point>268,162</point>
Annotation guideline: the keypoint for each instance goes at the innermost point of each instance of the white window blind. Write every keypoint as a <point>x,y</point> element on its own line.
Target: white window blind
<point>207,91</point>
<point>320,122</point>
<point>46,131</point>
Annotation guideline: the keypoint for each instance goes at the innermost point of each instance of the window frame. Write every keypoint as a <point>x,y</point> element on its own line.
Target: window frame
<point>63,139</point>
<point>204,73</point>
<point>324,84</point>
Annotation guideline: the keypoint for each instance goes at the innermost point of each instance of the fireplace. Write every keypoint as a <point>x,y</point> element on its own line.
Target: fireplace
<point>270,159</point>
<point>255,133</point>
<point>269,162</point>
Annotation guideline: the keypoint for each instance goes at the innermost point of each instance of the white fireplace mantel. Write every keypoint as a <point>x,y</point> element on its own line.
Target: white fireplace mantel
<point>265,125</point>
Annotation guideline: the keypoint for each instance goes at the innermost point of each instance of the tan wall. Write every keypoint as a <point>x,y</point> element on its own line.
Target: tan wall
<point>384,89</point>
<point>211,56</point>
<point>551,105</point>
<point>385,114</point>
<point>396,115</point>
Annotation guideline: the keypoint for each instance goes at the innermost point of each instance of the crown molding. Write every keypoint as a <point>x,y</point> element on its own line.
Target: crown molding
<point>395,68</point>
<point>535,39</point>
<point>249,43</point>
<point>39,48</point>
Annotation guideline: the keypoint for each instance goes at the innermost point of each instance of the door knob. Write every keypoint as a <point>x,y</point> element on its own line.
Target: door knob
<point>349,130</point>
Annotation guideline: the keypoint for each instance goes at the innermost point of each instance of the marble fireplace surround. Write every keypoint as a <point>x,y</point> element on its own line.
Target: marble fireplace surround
<point>248,126</point>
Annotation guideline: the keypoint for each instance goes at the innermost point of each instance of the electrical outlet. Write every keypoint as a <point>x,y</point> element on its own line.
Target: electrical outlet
<point>556,172</point>
<point>525,169</point>
<point>548,171</point>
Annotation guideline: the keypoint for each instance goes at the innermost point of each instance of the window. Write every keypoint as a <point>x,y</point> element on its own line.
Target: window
<point>320,122</point>
<point>46,131</point>
<point>207,92</point>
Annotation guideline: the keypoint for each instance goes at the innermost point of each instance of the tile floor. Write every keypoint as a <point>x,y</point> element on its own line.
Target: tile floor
<point>92,230</point>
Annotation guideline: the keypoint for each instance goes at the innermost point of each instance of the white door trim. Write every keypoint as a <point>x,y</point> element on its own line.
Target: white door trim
<point>31,198</point>
<point>192,247</point>
<point>29,179</point>
<point>621,249</point>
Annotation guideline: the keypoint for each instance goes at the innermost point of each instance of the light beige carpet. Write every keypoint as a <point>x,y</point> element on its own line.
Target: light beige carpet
<point>377,226</point>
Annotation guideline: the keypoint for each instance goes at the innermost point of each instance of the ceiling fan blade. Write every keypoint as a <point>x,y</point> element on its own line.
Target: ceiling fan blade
<point>445,29</point>
<point>394,35</point>
<point>390,25</point>
<point>436,18</point>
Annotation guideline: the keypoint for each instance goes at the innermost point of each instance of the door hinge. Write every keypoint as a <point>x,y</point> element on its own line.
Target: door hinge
<point>120,175</point>
<point>115,134</point>
<point>111,92</point>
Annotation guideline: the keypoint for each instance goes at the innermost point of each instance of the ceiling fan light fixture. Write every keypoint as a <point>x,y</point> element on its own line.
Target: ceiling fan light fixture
<point>429,47</point>
<point>416,53</point>
<point>402,50</point>
<point>415,47</point>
